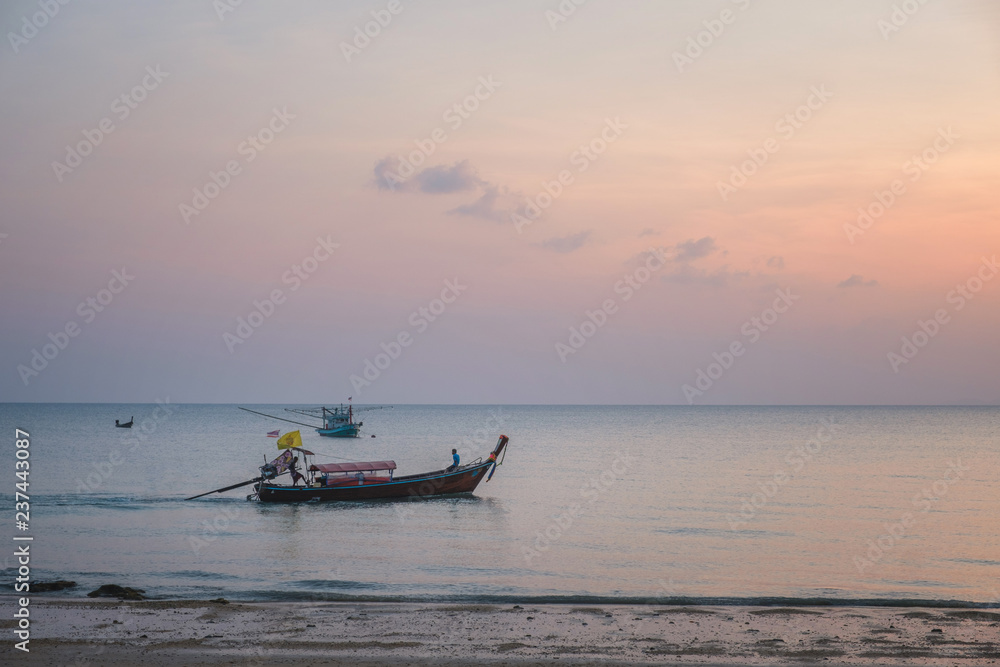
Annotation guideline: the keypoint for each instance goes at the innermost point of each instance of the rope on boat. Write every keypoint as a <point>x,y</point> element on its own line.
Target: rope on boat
<point>278,418</point>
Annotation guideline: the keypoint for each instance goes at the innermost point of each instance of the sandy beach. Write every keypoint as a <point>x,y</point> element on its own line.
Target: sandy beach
<point>106,632</point>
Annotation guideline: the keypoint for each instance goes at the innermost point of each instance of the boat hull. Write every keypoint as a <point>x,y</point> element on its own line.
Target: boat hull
<point>440,483</point>
<point>345,431</point>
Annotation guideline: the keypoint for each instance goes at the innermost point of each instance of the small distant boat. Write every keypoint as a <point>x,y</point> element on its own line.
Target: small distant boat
<point>365,480</point>
<point>127,424</point>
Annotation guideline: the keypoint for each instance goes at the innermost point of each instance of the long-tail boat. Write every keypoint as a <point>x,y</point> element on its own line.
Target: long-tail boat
<point>364,480</point>
<point>369,480</point>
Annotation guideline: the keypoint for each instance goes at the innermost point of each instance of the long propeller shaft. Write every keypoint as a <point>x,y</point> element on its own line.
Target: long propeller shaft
<point>234,486</point>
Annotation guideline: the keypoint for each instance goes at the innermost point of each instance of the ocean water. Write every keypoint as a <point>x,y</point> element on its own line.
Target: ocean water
<point>705,504</point>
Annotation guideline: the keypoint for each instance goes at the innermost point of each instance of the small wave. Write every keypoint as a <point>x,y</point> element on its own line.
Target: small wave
<point>972,561</point>
<point>312,584</point>
<point>201,574</point>
<point>337,590</point>
<point>101,500</point>
<point>316,595</point>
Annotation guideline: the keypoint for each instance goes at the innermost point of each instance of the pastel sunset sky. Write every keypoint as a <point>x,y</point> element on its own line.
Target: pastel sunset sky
<point>742,160</point>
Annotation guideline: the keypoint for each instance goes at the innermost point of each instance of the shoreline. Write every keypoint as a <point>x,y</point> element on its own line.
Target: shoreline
<point>69,630</point>
<point>78,593</point>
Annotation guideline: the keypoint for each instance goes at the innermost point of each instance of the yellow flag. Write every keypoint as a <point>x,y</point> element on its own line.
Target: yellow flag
<point>291,439</point>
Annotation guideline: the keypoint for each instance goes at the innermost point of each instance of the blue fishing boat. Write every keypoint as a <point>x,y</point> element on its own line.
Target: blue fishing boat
<point>339,423</point>
<point>335,422</point>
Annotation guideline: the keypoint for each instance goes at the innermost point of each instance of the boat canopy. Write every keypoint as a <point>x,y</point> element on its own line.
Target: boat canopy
<point>360,466</point>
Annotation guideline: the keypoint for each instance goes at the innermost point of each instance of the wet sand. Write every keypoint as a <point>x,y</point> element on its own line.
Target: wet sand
<point>105,632</point>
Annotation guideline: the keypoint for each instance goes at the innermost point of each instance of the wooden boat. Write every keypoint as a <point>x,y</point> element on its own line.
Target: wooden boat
<point>369,480</point>
<point>127,424</point>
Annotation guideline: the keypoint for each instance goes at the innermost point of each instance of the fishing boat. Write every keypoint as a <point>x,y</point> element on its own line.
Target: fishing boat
<point>365,480</point>
<point>127,424</point>
<point>338,422</point>
<point>335,422</point>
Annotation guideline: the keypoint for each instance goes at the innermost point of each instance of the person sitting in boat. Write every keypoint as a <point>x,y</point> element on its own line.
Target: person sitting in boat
<point>455,461</point>
<point>293,469</point>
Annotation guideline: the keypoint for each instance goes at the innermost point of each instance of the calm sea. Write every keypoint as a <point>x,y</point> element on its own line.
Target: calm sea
<point>640,503</point>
